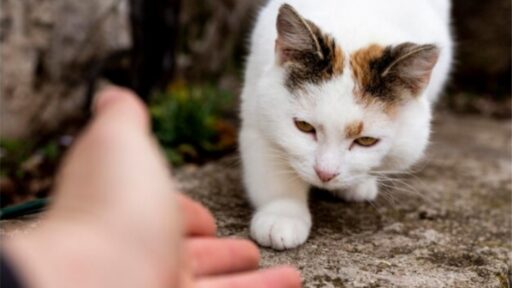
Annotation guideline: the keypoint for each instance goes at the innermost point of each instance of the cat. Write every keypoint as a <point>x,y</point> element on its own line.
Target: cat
<point>336,91</point>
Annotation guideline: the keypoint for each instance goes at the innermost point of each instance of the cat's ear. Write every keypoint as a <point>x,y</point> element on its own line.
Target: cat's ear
<point>412,65</point>
<point>296,37</point>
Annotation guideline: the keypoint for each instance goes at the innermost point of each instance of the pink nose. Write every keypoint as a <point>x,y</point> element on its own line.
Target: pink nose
<point>325,176</point>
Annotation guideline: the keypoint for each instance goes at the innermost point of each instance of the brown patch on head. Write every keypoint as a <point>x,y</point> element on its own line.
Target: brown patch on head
<point>338,60</point>
<point>360,63</point>
<point>388,75</point>
<point>307,54</point>
<point>354,129</point>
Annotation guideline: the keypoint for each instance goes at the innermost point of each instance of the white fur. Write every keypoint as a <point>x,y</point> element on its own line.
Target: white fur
<point>278,159</point>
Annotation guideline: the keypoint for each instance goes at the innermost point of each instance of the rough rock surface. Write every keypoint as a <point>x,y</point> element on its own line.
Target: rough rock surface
<point>448,224</point>
<point>47,47</point>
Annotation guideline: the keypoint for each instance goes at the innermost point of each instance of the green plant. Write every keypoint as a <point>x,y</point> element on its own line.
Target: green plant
<point>16,154</point>
<point>12,154</point>
<point>191,122</point>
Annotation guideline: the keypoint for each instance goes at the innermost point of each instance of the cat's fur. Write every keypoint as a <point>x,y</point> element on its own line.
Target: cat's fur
<point>350,68</point>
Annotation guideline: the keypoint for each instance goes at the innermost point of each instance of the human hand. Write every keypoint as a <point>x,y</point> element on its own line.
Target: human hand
<point>114,222</point>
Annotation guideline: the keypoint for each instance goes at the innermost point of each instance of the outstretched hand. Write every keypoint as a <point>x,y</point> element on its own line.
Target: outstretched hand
<point>118,221</point>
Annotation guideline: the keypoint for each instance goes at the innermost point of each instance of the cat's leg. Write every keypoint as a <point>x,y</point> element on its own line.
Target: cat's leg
<point>366,190</point>
<point>282,219</point>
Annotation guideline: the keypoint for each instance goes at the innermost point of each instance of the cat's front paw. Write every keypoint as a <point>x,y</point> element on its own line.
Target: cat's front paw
<point>280,231</point>
<point>363,192</point>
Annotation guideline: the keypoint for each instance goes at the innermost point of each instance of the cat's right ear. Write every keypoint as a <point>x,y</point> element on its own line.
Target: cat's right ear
<point>296,38</point>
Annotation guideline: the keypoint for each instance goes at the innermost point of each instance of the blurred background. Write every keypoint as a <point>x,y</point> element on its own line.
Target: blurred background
<point>186,59</point>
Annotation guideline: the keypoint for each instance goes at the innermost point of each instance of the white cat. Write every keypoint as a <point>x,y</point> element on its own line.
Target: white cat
<point>335,91</point>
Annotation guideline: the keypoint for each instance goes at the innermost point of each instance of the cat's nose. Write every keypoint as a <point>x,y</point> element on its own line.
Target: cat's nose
<point>325,175</point>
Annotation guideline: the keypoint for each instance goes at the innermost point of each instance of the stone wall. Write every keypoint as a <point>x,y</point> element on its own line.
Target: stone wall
<point>47,47</point>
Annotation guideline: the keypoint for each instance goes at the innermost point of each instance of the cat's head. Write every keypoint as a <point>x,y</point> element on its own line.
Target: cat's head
<point>347,112</point>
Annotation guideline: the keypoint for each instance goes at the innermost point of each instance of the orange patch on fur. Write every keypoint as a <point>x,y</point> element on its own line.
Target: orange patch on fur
<point>360,63</point>
<point>353,130</point>
<point>338,61</point>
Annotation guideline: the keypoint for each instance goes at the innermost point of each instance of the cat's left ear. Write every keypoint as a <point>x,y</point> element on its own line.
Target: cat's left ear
<point>411,64</point>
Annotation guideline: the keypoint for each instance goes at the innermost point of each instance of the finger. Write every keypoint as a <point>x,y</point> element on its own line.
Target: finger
<point>212,256</point>
<point>198,221</point>
<point>282,277</point>
<point>121,106</point>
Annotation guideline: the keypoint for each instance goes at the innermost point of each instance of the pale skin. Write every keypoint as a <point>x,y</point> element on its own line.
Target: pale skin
<point>118,221</point>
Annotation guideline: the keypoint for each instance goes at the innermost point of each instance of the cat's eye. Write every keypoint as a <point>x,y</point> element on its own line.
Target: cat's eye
<point>305,126</point>
<point>366,141</point>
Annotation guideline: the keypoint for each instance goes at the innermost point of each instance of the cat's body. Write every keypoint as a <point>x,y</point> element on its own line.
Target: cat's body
<point>333,96</point>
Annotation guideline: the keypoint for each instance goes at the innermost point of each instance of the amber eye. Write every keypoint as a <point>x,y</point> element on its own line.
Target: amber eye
<point>304,126</point>
<point>366,141</point>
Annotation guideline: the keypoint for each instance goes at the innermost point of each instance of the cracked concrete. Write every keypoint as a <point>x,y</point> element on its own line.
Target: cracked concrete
<point>448,224</point>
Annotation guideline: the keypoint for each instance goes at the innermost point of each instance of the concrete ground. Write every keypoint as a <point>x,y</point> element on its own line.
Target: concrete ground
<point>446,225</point>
